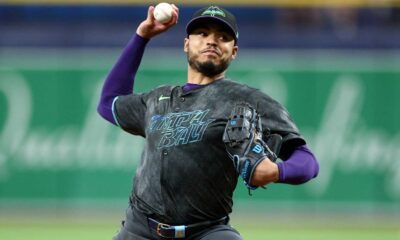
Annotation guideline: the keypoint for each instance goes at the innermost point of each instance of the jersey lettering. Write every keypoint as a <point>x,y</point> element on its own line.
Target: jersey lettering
<point>180,128</point>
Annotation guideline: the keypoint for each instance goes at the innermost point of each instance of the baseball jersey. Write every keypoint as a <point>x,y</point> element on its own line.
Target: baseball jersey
<point>185,175</point>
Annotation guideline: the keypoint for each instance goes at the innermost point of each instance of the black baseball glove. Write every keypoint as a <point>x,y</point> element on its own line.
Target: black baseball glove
<point>244,144</point>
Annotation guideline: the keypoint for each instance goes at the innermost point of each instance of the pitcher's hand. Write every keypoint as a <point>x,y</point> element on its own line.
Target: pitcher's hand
<point>150,27</point>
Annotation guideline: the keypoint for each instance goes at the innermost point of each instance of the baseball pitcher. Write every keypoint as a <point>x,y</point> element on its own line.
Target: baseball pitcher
<point>200,138</point>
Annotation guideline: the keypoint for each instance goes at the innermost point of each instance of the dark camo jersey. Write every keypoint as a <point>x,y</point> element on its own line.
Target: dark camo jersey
<point>185,175</point>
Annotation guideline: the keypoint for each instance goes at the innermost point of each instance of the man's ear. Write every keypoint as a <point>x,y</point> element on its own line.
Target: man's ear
<point>235,52</point>
<point>186,45</point>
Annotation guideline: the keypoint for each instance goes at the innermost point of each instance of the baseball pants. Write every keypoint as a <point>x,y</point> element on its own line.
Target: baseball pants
<point>136,227</point>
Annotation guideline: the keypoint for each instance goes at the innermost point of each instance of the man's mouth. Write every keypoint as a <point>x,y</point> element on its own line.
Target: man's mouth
<point>211,51</point>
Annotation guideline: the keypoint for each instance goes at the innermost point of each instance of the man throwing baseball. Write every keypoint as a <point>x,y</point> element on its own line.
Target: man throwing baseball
<point>200,138</point>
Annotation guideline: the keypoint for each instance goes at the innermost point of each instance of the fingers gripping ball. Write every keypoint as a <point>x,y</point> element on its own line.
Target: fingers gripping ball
<point>243,141</point>
<point>163,12</point>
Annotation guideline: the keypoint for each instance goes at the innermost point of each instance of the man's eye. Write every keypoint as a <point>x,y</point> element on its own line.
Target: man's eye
<point>225,37</point>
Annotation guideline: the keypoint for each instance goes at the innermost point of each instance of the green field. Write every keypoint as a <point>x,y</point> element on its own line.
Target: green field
<point>64,226</point>
<point>105,231</point>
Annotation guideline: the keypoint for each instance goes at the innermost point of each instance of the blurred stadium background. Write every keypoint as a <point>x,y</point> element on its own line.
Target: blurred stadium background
<point>66,174</point>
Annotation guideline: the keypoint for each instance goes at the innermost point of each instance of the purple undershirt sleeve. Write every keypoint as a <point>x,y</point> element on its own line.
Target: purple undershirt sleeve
<point>121,78</point>
<point>299,168</point>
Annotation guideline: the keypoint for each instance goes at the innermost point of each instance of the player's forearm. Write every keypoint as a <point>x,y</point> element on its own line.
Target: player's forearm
<point>299,168</point>
<point>120,80</point>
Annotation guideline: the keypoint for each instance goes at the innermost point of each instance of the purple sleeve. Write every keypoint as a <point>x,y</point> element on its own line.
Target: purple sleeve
<point>299,168</point>
<point>121,77</point>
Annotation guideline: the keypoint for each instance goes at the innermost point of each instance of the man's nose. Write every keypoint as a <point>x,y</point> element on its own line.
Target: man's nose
<point>212,39</point>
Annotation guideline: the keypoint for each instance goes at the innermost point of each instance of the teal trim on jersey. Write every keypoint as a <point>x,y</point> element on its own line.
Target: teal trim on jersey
<point>113,112</point>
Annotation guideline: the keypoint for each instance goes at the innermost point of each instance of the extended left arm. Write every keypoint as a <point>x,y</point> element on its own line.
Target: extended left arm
<point>299,168</point>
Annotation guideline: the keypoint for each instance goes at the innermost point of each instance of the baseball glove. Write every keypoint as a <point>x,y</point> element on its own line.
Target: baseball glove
<point>243,142</point>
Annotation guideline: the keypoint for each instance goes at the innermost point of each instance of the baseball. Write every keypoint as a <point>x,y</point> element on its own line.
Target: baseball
<point>163,12</point>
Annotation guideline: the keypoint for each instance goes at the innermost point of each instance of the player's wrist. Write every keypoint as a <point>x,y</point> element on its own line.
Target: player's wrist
<point>265,173</point>
<point>143,33</point>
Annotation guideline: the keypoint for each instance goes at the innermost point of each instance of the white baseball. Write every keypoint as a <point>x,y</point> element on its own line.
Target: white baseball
<point>163,12</point>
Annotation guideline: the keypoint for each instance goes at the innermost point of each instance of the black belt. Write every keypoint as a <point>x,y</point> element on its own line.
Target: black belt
<point>181,231</point>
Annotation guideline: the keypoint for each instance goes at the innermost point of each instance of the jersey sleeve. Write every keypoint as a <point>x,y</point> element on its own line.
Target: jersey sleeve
<point>276,119</point>
<point>130,113</point>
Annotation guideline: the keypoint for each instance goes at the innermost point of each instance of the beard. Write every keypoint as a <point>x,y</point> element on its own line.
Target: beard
<point>207,68</point>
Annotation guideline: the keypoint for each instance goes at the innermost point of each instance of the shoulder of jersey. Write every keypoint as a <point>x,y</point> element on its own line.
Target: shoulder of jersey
<point>163,89</point>
<point>238,85</point>
<point>161,93</point>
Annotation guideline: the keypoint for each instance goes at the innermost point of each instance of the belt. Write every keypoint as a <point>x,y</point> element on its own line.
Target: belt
<point>181,231</point>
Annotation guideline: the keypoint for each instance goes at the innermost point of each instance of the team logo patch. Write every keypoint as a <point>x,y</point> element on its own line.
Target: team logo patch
<point>180,128</point>
<point>213,10</point>
<point>257,148</point>
<point>163,98</point>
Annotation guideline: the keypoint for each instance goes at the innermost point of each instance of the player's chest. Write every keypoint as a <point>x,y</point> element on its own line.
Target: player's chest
<point>185,120</point>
